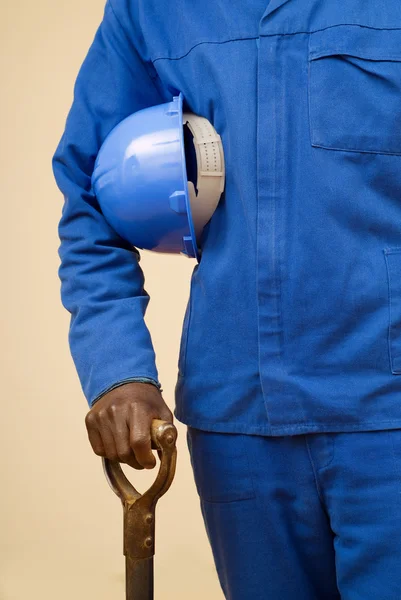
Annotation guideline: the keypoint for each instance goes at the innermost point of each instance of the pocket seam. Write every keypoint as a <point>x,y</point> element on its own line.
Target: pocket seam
<point>241,499</point>
<point>358,150</point>
<point>387,252</point>
<point>335,51</point>
<point>250,495</point>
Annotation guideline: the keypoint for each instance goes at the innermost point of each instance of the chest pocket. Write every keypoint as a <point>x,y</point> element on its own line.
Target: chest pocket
<point>354,86</point>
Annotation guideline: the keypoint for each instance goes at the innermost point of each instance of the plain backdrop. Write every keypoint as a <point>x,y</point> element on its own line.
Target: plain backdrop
<point>60,524</point>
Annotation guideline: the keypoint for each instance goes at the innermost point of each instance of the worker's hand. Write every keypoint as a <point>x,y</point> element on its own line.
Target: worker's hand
<point>119,424</point>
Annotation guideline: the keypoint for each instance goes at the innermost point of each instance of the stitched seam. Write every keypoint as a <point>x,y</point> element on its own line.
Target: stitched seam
<point>127,38</point>
<point>239,428</point>
<point>255,37</point>
<point>394,370</point>
<point>312,424</point>
<point>132,379</point>
<point>258,211</point>
<point>274,250</point>
<point>325,466</point>
<point>204,42</point>
<point>250,475</point>
<point>152,76</point>
<point>358,150</point>
<point>319,491</point>
<point>334,51</point>
<point>239,499</point>
<point>333,453</point>
<point>397,468</point>
<point>277,213</point>
<point>115,15</point>
<point>390,316</point>
<point>309,92</point>
<point>333,27</point>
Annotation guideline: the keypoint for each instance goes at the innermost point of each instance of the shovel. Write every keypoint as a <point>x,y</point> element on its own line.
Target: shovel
<point>139,511</point>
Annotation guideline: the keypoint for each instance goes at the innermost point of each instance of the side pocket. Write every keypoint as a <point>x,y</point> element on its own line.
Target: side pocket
<point>393,262</point>
<point>220,465</point>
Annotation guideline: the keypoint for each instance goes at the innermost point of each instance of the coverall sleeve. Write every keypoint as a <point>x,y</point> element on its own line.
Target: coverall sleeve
<point>102,284</point>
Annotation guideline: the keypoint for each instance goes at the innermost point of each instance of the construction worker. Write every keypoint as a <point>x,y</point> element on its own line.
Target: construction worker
<point>290,361</point>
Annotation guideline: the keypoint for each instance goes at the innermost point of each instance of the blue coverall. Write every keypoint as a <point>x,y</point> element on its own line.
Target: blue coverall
<point>293,327</point>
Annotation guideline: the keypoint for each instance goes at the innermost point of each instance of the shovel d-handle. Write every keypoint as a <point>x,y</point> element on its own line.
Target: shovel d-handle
<point>139,509</point>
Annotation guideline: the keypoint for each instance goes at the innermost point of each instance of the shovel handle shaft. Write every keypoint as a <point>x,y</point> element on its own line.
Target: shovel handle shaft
<point>139,584</point>
<point>139,511</point>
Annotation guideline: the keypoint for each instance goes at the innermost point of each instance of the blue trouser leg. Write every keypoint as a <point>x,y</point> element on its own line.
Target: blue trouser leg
<point>303,517</point>
<point>361,487</point>
<point>268,530</point>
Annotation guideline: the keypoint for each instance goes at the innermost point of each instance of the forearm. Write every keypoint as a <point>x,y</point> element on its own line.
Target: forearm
<point>102,284</point>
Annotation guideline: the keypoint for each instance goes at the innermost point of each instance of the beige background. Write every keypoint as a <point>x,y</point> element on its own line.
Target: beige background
<point>60,524</point>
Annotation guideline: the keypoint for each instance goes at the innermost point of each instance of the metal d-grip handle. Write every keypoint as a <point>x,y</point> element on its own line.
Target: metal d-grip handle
<point>139,509</point>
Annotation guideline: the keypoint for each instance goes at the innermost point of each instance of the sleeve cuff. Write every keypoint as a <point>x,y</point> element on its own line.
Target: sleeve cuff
<point>128,380</point>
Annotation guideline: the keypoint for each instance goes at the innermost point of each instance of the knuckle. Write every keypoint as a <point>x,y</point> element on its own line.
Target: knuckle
<point>90,419</point>
<point>125,454</point>
<point>140,442</point>
<point>101,414</point>
<point>133,405</point>
<point>112,410</point>
<point>112,455</point>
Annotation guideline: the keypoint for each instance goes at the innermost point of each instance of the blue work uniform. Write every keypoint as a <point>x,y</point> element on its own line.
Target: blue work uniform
<point>293,324</point>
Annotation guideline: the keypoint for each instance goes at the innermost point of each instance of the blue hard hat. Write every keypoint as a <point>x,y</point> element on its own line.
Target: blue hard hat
<point>141,181</point>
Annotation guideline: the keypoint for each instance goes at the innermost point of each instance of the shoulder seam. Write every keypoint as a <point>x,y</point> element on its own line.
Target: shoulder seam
<point>131,42</point>
<point>115,15</point>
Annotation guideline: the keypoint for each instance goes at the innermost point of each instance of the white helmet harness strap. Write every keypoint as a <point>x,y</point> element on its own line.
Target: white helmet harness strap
<point>210,167</point>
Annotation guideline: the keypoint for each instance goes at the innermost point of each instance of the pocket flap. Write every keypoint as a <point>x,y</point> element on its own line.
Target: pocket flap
<point>355,88</point>
<point>355,40</point>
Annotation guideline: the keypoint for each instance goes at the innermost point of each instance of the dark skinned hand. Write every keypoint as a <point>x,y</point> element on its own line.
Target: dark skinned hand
<point>119,423</point>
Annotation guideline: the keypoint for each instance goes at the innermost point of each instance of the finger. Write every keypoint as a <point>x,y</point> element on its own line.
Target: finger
<point>96,442</point>
<point>110,450</point>
<point>132,462</point>
<point>166,414</point>
<point>140,441</point>
<point>122,442</point>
